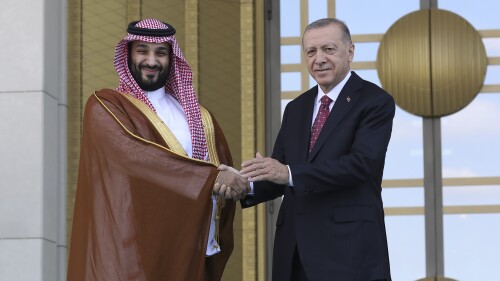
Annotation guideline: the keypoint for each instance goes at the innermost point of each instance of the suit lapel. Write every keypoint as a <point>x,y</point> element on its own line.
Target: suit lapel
<point>305,121</point>
<point>345,101</point>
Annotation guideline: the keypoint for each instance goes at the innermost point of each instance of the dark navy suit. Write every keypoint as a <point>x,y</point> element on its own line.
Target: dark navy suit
<point>333,215</point>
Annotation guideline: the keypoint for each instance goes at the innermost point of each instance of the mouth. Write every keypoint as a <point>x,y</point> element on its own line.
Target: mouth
<point>150,71</point>
<point>322,70</point>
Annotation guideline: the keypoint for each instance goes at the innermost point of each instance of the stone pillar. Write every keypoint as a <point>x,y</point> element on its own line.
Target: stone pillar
<point>33,140</point>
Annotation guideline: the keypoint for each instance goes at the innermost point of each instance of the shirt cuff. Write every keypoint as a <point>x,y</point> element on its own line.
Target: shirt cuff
<point>290,180</point>
<point>251,189</point>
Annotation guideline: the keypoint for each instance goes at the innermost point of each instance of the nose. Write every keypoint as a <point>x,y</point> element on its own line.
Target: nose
<point>320,57</point>
<point>151,60</point>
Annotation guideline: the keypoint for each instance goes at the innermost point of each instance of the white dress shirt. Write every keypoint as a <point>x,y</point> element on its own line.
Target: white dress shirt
<point>171,113</point>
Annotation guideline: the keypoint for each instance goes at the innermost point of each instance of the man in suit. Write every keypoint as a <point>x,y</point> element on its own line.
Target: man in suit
<point>331,222</point>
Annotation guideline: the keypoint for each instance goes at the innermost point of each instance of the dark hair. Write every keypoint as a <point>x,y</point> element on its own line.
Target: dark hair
<point>327,21</point>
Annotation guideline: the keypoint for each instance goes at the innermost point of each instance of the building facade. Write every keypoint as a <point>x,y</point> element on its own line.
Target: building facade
<point>442,181</point>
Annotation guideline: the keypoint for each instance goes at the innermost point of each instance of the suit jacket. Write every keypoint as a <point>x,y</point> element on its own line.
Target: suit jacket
<point>333,213</point>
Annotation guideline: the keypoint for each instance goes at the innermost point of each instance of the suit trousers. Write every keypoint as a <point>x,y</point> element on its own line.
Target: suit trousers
<point>298,273</point>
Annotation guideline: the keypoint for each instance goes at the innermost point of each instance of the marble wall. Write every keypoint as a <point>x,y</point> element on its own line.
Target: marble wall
<point>32,140</point>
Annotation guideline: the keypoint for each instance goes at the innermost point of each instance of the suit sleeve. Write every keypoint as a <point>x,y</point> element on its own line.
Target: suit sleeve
<point>265,190</point>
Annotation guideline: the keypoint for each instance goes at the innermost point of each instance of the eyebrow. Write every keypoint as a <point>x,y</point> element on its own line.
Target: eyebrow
<point>141,45</point>
<point>162,48</point>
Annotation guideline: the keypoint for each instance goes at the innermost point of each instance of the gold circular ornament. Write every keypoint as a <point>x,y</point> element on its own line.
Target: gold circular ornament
<point>433,62</point>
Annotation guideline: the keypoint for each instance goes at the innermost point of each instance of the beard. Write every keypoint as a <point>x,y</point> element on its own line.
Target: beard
<point>149,83</point>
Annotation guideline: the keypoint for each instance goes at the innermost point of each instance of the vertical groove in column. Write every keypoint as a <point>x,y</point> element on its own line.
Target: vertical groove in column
<point>192,42</point>
<point>432,92</point>
<point>304,21</point>
<point>332,11</point>
<point>259,110</point>
<point>133,10</point>
<point>433,187</point>
<point>247,61</point>
<point>438,195</point>
<point>272,101</point>
<point>430,207</point>
<point>75,104</point>
<point>62,137</point>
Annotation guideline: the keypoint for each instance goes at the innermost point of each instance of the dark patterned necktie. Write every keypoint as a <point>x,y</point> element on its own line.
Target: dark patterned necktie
<point>323,112</point>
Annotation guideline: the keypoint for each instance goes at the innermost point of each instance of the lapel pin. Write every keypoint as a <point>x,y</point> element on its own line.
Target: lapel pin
<point>348,99</point>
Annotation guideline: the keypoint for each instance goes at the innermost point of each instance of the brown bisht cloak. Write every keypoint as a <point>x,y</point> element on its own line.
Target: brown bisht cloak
<point>142,212</point>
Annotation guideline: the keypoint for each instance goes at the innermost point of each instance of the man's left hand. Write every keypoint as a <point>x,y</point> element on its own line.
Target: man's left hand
<point>260,169</point>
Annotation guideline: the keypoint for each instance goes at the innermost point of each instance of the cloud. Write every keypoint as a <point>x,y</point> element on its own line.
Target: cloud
<point>479,119</point>
<point>458,173</point>
<point>417,152</point>
<point>492,46</point>
<point>406,126</point>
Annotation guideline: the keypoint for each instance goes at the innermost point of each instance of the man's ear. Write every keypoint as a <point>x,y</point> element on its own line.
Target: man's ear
<point>351,52</point>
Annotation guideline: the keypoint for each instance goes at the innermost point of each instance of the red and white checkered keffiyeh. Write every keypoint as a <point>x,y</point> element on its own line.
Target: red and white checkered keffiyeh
<point>179,82</point>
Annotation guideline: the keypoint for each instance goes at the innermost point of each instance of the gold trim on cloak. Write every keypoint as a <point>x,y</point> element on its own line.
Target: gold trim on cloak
<point>174,144</point>
<point>184,155</point>
<point>208,127</point>
<point>159,125</point>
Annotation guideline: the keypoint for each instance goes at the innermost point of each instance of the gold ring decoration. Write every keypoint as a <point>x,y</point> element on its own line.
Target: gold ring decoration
<point>433,62</point>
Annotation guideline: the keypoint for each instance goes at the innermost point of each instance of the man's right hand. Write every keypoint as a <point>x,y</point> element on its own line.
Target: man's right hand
<point>230,184</point>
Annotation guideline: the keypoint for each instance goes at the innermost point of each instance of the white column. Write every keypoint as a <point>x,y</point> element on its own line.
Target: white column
<point>32,140</point>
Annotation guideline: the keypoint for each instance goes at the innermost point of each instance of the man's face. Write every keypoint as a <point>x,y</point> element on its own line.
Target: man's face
<point>149,64</point>
<point>328,58</point>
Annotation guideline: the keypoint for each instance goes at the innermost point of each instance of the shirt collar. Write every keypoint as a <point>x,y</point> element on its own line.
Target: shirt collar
<point>156,94</point>
<point>334,93</point>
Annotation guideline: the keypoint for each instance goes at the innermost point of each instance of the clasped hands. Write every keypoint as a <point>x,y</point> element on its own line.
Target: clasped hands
<point>230,184</point>
<point>234,184</point>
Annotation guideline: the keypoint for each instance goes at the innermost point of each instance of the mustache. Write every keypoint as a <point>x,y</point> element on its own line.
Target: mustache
<point>152,67</point>
<point>321,68</point>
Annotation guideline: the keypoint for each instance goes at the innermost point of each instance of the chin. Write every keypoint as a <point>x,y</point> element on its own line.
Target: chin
<point>149,78</point>
<point>324,82</point>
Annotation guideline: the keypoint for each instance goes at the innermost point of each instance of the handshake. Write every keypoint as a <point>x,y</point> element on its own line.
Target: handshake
<point>234,184</point>
<point>230,184</point>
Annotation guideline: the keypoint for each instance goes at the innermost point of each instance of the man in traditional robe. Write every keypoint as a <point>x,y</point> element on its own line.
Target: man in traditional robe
<point>150,202</point>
